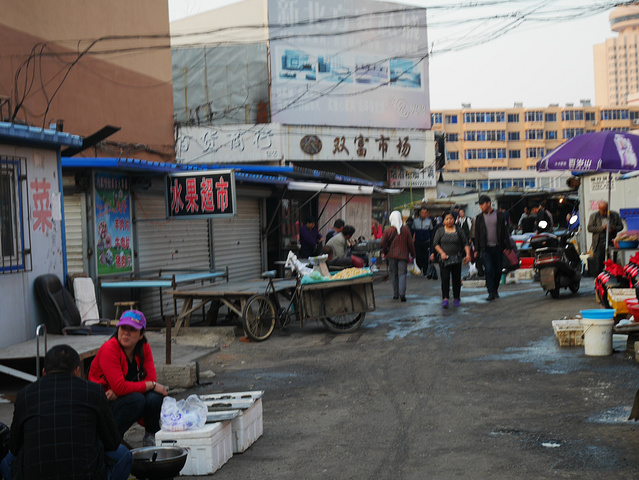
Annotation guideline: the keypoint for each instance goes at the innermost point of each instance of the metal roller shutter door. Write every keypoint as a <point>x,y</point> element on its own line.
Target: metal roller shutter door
<point>75,227</point>
<point>162,243</point>
<point>236,241</point>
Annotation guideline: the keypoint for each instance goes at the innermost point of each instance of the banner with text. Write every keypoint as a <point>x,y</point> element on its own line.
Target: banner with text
<point>201,194</point>
<point>349,63</point>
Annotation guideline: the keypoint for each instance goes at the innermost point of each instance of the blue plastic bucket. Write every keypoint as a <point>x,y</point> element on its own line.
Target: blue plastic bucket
<point>598,314</point>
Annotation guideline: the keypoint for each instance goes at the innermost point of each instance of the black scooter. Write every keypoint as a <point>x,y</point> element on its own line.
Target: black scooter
<point>557,263</point>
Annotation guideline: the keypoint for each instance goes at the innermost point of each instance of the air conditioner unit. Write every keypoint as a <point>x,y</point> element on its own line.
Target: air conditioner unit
<point>594,122</point>
<point>635,121</point>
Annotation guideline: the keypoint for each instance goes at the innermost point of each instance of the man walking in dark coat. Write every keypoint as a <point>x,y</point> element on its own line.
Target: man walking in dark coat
<point>491,238</point>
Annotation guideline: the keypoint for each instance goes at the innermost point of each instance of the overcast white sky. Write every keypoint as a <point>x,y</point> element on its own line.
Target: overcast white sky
<point>537,62</point>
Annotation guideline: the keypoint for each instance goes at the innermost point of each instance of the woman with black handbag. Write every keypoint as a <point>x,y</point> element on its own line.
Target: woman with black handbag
<point>451,244</point>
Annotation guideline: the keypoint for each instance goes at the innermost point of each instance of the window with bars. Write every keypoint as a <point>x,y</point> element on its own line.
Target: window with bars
<point>15,240</point>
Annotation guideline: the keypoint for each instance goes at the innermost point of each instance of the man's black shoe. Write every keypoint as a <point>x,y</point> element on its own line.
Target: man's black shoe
<point>496,294</point>
<point>490,298</point>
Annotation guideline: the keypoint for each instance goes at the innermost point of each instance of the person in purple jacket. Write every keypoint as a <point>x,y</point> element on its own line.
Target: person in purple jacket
<point>309,238</point>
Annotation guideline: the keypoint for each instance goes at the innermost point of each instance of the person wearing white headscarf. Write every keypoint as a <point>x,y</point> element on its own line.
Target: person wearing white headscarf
<point>397,246</point>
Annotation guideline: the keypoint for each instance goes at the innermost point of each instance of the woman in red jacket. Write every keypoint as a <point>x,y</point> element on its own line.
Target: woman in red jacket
<point>124,367</point>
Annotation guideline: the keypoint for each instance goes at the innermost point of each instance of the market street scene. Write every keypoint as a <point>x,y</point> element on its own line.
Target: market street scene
<point>300,239</point>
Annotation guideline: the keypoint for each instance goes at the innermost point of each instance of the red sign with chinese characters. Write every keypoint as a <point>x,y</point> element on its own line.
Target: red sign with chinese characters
<point>201,194</point>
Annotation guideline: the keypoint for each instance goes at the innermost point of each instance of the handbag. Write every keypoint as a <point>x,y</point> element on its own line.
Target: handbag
<point>511,257</point>
<point>451,260</point>
<point>431,271</point>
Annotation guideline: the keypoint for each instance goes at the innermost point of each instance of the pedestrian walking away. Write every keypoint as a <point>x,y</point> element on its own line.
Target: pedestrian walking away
<point>491,238</point>
<point>422,230</point>
<point>451,244</point>
<point>63,428</point>
<point>125,369</point>
<point>397,245</point>
<point>599,222</point>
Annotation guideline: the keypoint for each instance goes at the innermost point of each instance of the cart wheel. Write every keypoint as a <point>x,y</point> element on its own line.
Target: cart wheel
<point>258,317</point>
<point>343,311</point>
<point>574,287</point>
<point>554,293</point>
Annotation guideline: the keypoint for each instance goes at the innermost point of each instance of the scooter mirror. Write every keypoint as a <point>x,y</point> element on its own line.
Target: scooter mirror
<point>542,224</point>
<point>573,219</point>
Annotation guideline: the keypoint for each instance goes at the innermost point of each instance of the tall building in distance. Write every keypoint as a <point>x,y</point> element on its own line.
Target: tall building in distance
<point>515,139</point>
<point>616,60</point>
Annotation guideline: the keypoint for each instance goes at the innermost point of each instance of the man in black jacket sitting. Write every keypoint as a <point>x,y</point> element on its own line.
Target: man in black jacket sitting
<point>63,427</point>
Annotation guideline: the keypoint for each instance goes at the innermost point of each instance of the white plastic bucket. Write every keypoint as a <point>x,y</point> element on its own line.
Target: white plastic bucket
<point>597,336</point>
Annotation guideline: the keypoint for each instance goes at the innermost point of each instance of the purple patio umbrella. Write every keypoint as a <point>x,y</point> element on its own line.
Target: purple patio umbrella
<point>609,151</point>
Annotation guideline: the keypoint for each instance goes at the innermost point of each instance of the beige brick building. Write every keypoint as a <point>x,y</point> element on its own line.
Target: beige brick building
<point>488,139</point>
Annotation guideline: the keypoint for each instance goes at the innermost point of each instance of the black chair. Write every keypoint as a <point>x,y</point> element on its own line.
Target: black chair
<point>62,315</point>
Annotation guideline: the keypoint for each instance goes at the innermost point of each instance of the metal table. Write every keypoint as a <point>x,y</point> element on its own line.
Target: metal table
<point>163,279</point>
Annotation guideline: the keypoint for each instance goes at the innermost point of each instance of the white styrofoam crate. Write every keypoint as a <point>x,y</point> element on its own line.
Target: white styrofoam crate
<point>247,426</point>
<point>233,396</point>
<point>511,277</point>
<point>474,283</point>
<point>210,447</point>
<point>525,274</point>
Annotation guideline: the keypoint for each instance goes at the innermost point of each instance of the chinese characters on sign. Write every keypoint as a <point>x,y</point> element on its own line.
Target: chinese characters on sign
<point>599,184</point>
<point>340,144</point>
<point>201,194</point>
<point>113,224</point>
<point>42,215</point>
<point>402,177</point>
<point>246,144</point>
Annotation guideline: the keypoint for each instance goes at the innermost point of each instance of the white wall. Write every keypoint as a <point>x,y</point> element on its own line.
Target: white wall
<point>623,194</point>
<point>20,314</point>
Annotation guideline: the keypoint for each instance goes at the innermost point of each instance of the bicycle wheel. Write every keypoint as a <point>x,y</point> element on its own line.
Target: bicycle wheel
<point>258,317</point>
<point>343,311</point>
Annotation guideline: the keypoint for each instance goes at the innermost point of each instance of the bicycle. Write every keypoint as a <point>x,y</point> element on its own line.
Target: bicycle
<point>263,311</point>
<point>341,310</point>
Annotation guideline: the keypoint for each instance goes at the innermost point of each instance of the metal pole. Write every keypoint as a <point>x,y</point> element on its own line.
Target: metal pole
<point>608,226</point>
<point>168,327</point>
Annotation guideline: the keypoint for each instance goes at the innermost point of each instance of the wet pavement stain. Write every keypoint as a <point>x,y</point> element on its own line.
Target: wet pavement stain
<point>545,356</point>
<point>569,454</point>
<point>615,415</point>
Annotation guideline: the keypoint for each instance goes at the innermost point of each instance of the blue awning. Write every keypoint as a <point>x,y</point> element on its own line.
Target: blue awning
<point>15,133</point>
<point>141,166</point>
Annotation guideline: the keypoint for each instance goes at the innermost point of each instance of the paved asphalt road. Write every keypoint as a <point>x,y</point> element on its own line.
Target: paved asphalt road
<point>477,392</point>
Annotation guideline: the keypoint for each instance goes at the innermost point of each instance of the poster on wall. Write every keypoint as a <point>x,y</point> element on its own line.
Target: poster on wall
<point>349,63</point>
<point>113,224</point>
<point>201,194</point>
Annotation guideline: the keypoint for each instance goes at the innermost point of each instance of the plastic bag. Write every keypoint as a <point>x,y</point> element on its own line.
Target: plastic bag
<point>178,416</point>
<point>472,270</point>
<point>296,265</point>
<point>415,270</point>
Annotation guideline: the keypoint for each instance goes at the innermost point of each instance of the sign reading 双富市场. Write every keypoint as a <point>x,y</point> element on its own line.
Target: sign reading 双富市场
<point>201,194</point>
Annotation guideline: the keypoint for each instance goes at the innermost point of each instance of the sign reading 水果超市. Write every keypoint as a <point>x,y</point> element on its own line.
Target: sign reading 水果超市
<point>201,194</point>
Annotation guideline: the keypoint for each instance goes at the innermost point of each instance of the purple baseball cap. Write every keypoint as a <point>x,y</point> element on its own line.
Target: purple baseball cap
<point>133,318</point>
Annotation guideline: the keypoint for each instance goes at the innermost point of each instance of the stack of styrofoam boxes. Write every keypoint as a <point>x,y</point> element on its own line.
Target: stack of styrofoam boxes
<point>210,447</point>
<point>247,425</point>
<point>524,274</point>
